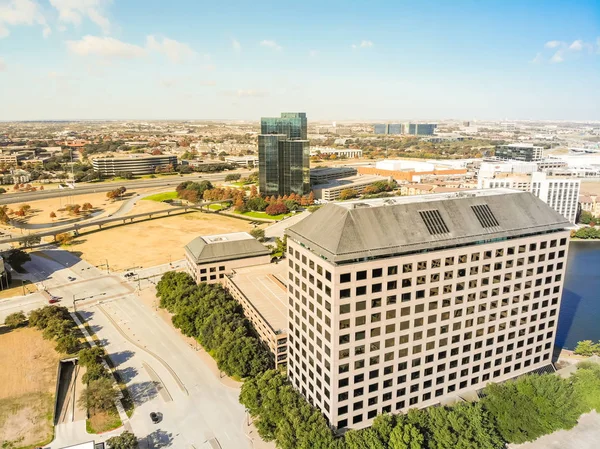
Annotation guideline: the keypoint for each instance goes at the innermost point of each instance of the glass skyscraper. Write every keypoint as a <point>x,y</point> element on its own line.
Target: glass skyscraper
<point>284,155</point>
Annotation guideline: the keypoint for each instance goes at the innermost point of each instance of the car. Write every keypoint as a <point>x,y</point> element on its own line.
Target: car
<point>52,301</point>
<point>155,417</point>
<point>71,278</point>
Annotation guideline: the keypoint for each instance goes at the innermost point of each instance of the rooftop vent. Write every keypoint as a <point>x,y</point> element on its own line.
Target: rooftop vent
<point>485,216</point>
<point>434,222</point>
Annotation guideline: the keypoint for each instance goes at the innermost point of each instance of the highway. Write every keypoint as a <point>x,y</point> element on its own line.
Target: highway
<point>81,189</point>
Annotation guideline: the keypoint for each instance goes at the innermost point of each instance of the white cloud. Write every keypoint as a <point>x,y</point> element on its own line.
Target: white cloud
<point>313,53</point>
<point>2,65</point>
<point>246,93</point>
<point>576,45</point>
<point>271,44</point>
<point>73,11</point>
<point>538,59</point>
<point>557,58</point>
<point>21,12</point>
<point>363,44</point>
<point>237,47</point>
<point>172,49</point>
<point>105,47</point>
<point>554,44</point>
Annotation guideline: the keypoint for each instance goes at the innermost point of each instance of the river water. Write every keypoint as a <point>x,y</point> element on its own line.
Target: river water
<point>580,307</point>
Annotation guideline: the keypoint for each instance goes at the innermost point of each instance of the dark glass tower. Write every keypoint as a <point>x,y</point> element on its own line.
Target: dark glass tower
<point>284,155</point>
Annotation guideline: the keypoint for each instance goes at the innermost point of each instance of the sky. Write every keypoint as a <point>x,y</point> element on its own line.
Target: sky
<point>334,60</point>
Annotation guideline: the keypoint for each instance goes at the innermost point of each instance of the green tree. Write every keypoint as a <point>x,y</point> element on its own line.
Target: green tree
<point>126,440</point>
<point>91,356</point>
<point>16,258</point>
<point>232,177</point>
<point>99,395</point>
<point>586,381</point>
<point>56,327</point>
<point>30,240</point>
<point>531,406</point>
<point>587,348</point>
<point>94,372</point>
<point>67,344</point>
<point>406,436</point>
<point>586,217</point>
<point>15,320</point>
<point>258,234</point>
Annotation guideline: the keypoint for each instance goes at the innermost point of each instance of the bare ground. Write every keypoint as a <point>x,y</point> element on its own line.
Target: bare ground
<point>28,372</point>
<point>152,242</point>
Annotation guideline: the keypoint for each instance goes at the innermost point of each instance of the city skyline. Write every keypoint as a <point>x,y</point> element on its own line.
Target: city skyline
<point>105,60</point>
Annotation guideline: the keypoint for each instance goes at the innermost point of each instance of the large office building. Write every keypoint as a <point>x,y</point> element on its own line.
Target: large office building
<point>138,165</point>
<point>519,152</point>
<point>420,129</point>
<point>561,194</point>
<point>284,155</point>
<point>398,303</point>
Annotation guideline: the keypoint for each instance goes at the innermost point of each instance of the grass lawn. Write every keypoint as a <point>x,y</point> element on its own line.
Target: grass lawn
<point>99,422</point>
<point>257,214</point>
<point>28,372</point>
<point>217,206</point>
<point>161,196</point>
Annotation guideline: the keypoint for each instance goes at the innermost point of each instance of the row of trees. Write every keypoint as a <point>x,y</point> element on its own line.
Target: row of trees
<point>56,324</point>
<point>587,348</point>
<point>100,393</point>
<point>211,316</point>
<point>116,193</point>
<point>514,412</point>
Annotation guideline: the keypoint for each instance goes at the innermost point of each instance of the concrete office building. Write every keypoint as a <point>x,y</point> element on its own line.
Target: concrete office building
<point>138,165</point>
<point>561,194</point>
<point>395,128</point>
<point>284,155</point>
<point>420,129</point>
<point>519,152</point>
<point>322,175</point>
<point>332,190</point>
<point>380,128</point>
<point>399,303</point>
<point>210,258</point>
<point>262,292</point>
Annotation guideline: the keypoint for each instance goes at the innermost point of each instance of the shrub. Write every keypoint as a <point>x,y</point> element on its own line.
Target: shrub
<point>15,320</point>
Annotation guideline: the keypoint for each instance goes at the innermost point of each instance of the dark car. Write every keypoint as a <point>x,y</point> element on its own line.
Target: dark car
<point>155,417</point>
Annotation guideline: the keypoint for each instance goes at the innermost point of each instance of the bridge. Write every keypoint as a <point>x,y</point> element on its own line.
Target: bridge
<point>102,223</point>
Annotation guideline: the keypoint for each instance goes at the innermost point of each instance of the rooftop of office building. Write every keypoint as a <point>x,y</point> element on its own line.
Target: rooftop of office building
<point>218,247</point>
<point>264,286</point>
<point>365,229</point>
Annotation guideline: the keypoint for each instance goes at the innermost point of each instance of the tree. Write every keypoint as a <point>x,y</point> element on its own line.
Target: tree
<point>124,174</point>
<point>347,194</point>
<point>585,217</point>
<point>256,203</point>
<point>587,348</point>
<point>29,240</point>
<point>16,258</point>
<point>126,440</point>
<point>4,218</point>
<point>52,215</point>
<point>15,320</point>
<point>258,234</point>
<point>587,385</point>
<point>99,395</point>
<point>91,356</point>
<point>232,177</point>
<point>95,371</point>
<point>87,206</point>
<point>64,238</point>
<point>276,208</point>
<point>531,406</point>
<point>406,436</point>
<point>67,344</point>
<point>57,327</point>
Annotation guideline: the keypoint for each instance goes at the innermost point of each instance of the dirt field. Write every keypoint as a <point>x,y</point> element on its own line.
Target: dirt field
<point>152,242</point>
<point>28,373</point>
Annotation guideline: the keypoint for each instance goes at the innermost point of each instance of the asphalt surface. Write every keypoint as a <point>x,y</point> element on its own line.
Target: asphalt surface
<point>162,372</point>
<point>81,189</point>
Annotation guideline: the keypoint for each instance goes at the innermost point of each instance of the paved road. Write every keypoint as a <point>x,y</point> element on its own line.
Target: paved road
<point>80,189</point>
<point>162,372</point>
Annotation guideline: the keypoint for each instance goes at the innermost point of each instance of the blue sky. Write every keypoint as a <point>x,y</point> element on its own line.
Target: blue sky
<point>338,60</point>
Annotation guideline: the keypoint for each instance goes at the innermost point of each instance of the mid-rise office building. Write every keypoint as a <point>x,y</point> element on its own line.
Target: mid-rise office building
<point>380,128</point>
<point>420,129</point>
<point>284,155</point>
<point>561,194</point>
<point>399,303</point>
<point>519,152</point>
<point>138,165</point>
<point>333,189</point>
<point>395,128</point>
<point>324,174</point>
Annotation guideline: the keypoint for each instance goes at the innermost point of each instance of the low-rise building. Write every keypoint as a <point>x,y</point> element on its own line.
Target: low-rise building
<point>210,258</point>
<point>589,203</point>
<point>332,190</point>
<point>242,161</point>
<point>136,164</point>
<point>262,292</point>
<point>322,175</point>
<point>520,152</point>
<point>339,152</point>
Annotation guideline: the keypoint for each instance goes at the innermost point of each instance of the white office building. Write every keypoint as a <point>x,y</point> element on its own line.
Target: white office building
<point>410,302</point>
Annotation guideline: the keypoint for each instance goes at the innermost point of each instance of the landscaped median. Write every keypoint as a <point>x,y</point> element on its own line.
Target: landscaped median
<point>164,196</point>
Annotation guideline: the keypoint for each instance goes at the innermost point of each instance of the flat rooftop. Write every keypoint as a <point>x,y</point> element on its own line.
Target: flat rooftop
<point>350,181</point>
<point>265,287</point>
<point>222,247</point>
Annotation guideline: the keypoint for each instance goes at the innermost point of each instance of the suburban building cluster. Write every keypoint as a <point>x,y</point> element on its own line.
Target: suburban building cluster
<point>391,303</point>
